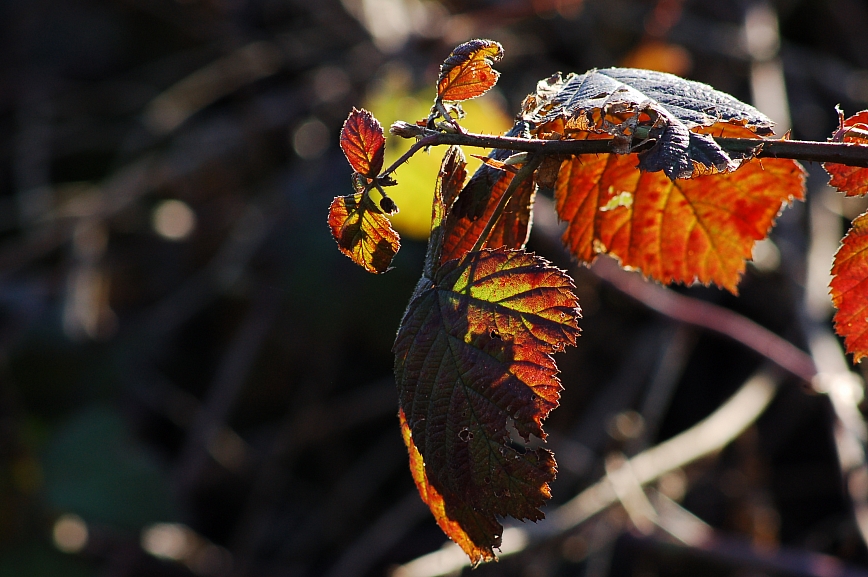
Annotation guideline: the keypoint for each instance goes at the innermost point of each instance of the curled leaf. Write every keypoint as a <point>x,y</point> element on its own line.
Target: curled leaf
<point>363,232</point>
<point>467,73</point>
<point>849,288</point>
<point>363,142</point>
<point>851,180</point>
<point>660,111</point>
<point>701,229</point>
<point>473,360</point>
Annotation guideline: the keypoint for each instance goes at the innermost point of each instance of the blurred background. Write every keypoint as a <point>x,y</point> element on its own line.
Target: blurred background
<point>195,382</point>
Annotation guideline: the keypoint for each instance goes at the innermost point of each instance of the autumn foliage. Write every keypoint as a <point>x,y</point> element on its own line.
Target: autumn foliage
<point>474,352</point>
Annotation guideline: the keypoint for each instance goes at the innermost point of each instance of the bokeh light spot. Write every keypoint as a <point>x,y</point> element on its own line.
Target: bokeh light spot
<point>310,139</point>
<point>70,533</point>
<point>174,220</point>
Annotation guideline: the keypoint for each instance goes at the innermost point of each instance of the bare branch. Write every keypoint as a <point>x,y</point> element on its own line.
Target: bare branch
<point>838,152</point>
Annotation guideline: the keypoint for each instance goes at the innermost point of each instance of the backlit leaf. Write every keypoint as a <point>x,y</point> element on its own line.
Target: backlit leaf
<point>435,502</point>
<point>467,73</point>
<point>660,109</point>
<point>450,181</point>
<point>700,229</point>
<point>849,288</point>
<point>473,360</point>
<point>363,142</point>
<point>363,232</point>
<point>476,203</point>
<point>851,180</point>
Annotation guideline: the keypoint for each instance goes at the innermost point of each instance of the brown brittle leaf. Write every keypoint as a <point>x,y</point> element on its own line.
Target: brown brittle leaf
<point>363,232</point>
<point>467,72</point>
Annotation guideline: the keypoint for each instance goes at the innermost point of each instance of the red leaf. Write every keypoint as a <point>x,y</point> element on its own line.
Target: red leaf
<point>851,180</point>
<point>363,142</point>
<point>450,180</point>
<point>474,355</point>
<point>467,73</point>
<point>700,229</point>
<point>362,232</point>
<point>474,207</point>
<point>849,288</point>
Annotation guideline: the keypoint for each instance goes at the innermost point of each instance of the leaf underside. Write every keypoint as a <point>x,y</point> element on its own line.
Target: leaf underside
<point>849,288</point>
<point>687,230</point>
<point>851,180</point>
<point>473,358</point>
<point>363,232</point>
<point>467,73</point>
<point>663,109</point>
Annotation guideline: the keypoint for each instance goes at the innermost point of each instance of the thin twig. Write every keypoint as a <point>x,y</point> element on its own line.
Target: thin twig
<point>838,152</point>
<point>709,316</point>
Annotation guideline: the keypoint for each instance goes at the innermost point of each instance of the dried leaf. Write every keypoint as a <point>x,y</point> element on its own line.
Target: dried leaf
<point>467,73</point>
<point>851,180</point>
<point>700,229</point>
<point>473,358</point>
<point>660,109</point>
<point>363,142</point>
<point>363,232</point>
<point>849,288</point>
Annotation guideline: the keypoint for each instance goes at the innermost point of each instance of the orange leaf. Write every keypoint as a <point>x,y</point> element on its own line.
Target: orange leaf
<point>496,164</point>
<point>851,180</point>
<point>363,142</point>
<point>362,232</point>
<point>700,229</point>
<point>475,205</point>
<point>467,73</point>
<point>473,357</point>
<point>450,180</point>
<point>849,288</point>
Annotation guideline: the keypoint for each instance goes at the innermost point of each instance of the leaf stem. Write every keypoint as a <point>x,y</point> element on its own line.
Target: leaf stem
<point>429,140</point>
<point>532,163</point>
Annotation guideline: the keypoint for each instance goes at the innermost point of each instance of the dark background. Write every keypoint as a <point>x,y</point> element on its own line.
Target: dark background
<point>218,390</point>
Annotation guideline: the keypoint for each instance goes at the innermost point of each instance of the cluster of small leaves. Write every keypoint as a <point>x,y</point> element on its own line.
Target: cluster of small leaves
<point>474,350</point>
<point>358,224</point>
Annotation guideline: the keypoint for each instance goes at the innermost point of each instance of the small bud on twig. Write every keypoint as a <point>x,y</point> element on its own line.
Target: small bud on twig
<point>407,130</point>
